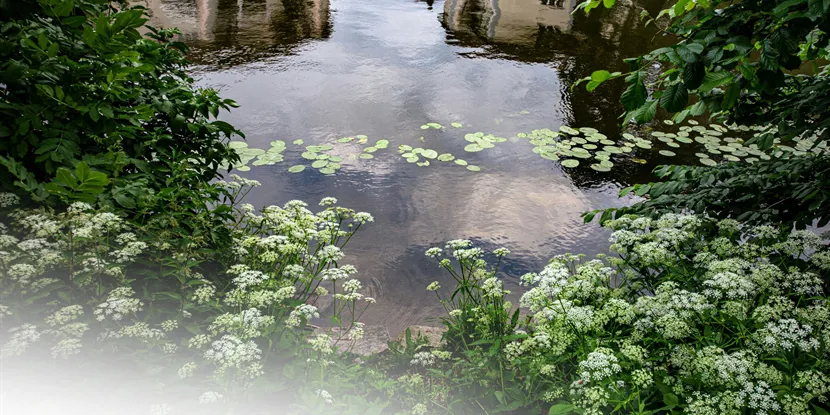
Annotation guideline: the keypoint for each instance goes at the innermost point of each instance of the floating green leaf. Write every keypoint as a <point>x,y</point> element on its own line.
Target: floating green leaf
<point>473,168</point>
<point>382,144</point>
<point>345,139</point>
<point>430,154</point>
<point>319,148</point>
<point>446,157</point>
<point>327,170</point>
<point>473,148</point>
<point>296,169</point>
<point>298,142</point>
<point>708,162</point>
<point>370,149</point>
<point>667,153</point>
<point>570,163</point>
<point>366,156</point>
<point>460,162</point>
<point>457,125</point>
<point>318,164</point>
<point>237,144</point>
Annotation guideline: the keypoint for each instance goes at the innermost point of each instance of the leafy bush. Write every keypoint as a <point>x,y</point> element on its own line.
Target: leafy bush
<point>752,62</point>
<point>84,282</point>
<point>695,316</point>
<point>93,110</point>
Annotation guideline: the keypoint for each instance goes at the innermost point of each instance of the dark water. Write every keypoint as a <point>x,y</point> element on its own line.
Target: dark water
<point>320,69</point>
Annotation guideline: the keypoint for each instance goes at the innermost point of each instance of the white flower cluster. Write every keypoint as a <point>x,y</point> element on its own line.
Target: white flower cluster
<point>246,325</point>
<point>231,352</point>
<point>787,334</point>
<point>599,365</point>
<point>119,303</point>
<point>423,359</point>
<point>302,313</point>
<point>21,338</point>
<point>8,200</point>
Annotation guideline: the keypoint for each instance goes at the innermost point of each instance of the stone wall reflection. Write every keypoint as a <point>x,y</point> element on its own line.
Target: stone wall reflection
<point>509,21</point>
<point>255,24</point>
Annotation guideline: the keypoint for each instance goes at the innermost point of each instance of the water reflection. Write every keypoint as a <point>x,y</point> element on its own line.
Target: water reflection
<point>319,70</point>
<point>507,21</point>
<point>232,32</point>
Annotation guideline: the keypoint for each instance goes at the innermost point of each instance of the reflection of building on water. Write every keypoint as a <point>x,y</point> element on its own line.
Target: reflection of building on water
<point>508,21</point>
<point>243,22</point>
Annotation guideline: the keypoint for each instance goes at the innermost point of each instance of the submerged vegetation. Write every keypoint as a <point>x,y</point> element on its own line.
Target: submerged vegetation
<point>120,240</point>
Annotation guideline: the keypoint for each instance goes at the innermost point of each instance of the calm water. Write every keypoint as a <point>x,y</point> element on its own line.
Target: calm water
<point>324,69</point>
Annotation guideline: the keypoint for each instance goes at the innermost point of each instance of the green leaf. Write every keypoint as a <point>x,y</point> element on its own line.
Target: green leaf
<point>675,97</point>
<point>634,96</point>
<point>817,8</point>
<point>693,74</point>
<point>597,78</point>
<point>731,96</point>
<point>671,400</point>
<point>713,80</point>
<point>561,409</point>
<point>647,112</point>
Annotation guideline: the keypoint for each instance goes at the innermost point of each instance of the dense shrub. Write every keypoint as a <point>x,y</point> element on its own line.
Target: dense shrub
<point>694,316</point>
<point>93,109</point>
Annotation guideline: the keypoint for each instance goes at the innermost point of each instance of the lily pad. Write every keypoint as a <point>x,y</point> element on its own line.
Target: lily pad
<point>460,162</point>
<point>707,162</point>
<point>667,153</point>
<point>412,159</point>
<point>446,157</point>
<point>319,148</point>
<point>423,163</point>
<point>309,155</point>
<point>318,164</point>
<point>570,163</point>
<point>457,125</point>
<point>600,168</point>
<point>296,169</point>
<point>430,154</point>
<point>298,142</point>
<point>336,159</point>
<point>473,168</point>
<point>370,149</point>
<point>473,148</point>
<point>366,156</point>
<point>568,130</point>
<point>327,170</point>
<point>237,144</point>
<point>345,139</point>
<point>382,144</point>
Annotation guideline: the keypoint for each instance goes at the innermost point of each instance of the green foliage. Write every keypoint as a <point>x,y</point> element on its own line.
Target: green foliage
<point>757,62</point>
<point>694,316</point>
<point>85,92</point>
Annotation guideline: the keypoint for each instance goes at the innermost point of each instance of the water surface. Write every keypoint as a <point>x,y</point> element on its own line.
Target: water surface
<point>320,70</point>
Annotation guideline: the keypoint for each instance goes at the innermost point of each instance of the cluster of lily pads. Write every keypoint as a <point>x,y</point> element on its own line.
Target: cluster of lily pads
<point>729,142</point>
<point>413,155</point>
<point>437,126</point>
<point>570,144</point>
<point>259,156</point>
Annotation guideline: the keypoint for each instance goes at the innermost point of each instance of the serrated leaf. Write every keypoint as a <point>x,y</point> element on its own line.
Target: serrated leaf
<point>675,97</point>
<point>713,80</point>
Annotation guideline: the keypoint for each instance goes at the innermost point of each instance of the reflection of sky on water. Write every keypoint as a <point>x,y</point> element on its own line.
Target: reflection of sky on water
<point>319,70</point>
